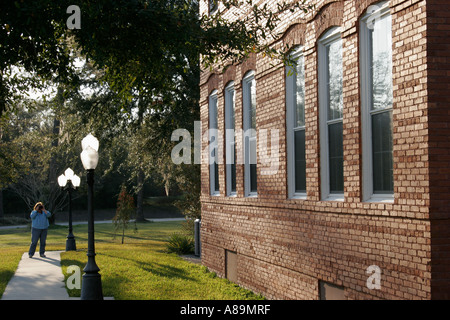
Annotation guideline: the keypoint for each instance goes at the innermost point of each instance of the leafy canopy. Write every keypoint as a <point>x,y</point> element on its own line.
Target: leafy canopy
<point>141,45</point>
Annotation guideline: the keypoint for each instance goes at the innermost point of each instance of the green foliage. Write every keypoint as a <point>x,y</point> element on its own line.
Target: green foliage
<point>210,274</point>
<point>33,38</point>
<point>141,46</point>
<point>31,157</point>
<point>180,244</point>
<point>189,179</point>
<point>142,66</point>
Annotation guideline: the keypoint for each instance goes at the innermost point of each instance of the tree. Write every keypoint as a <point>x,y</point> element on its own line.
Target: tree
<point>125,211</point>
<point>150,54</point>
<point>146,57</point>
<point>29,133</point>
<point>138,44</point>
<point>9,166</point>
<point>33,47</point>
<point>145,45</point>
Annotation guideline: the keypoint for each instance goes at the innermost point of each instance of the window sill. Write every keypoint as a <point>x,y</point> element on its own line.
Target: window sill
<point>299,196</point>
<point>335,197</point>
<point>382,198</point>
<point>252,195</point>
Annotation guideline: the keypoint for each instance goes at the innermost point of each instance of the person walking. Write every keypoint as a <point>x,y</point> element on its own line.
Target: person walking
<point>39,226</point>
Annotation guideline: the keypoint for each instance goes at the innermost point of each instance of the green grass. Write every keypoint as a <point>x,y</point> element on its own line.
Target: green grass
<point>139,269</point>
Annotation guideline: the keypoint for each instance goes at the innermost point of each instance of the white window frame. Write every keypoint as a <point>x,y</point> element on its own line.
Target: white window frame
<point>213,133</point>
<point>297,53</point>
<point>327,38</point>
<point>230,127</point>
<point>366,112</point>
<point>248,136</point>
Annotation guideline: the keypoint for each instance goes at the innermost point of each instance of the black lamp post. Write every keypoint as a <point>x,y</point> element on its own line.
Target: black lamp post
<point>69,181</point>
<point>91,288</point>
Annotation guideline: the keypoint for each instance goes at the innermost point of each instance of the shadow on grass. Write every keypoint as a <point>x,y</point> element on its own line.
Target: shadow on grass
<point>164,270</point>
<point>15,231</point>
<point>157,269</point>
<point>108,282</point>
<point>113,284</point>
<point>106,232</point>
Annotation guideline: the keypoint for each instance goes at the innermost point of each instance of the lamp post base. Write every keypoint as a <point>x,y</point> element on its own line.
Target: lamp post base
<point>70,244</point>
<point>91,288</point>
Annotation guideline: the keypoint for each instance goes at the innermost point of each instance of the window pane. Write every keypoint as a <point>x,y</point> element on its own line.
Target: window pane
<point>233,178</point>
<point>335,80</point>
<point>233,168</point>
<point>253,178</point>
<point>213,125</point>
<point>300,162</point>
<point>229,109</point>
<point>381,63</point>
<point>382,153</point>
<point>252,109</point>
<point>336,157</point>
<point>299,93</point>
<point>252,161</point>
<point>216,176</point>
<point>213,113</point>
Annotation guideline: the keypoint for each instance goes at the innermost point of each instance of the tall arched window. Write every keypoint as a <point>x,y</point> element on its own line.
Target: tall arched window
<point>376,103</point>
<point>295,125</point>
<point>249,118</point>
<point>213,144</point>
<point>230,151</point>
<point>331,107</point>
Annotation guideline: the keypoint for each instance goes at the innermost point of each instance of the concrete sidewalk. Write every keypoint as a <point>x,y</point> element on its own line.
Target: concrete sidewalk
<point>37,279</point>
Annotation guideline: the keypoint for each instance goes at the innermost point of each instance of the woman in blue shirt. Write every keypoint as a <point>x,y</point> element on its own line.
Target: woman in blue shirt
<point>39,225</point>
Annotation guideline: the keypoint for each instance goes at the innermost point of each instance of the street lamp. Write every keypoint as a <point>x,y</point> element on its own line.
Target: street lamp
<point>69,181</point>
<point>91,288</point>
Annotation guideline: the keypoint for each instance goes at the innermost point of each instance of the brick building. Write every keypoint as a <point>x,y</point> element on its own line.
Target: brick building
<point>357,205</point>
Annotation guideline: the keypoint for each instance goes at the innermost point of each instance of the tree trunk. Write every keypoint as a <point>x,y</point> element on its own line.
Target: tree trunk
<point>140,197</point>
<point>3,94</point>
<point>167,186</point>
<point>53,169</point>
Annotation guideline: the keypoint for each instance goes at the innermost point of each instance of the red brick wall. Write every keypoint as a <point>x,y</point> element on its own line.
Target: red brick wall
<point>286,246</point>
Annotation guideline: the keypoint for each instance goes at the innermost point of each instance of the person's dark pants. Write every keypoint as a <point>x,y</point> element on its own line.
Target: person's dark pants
<point>38,235</point>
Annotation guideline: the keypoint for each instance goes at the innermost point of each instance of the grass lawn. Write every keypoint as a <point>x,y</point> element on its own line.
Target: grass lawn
<point>139,269</point>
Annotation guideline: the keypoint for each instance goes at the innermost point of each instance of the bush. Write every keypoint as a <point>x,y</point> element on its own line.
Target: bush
<point>181,244</point>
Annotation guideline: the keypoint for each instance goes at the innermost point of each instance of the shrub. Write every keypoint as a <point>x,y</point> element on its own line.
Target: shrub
<point>181,244</point>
